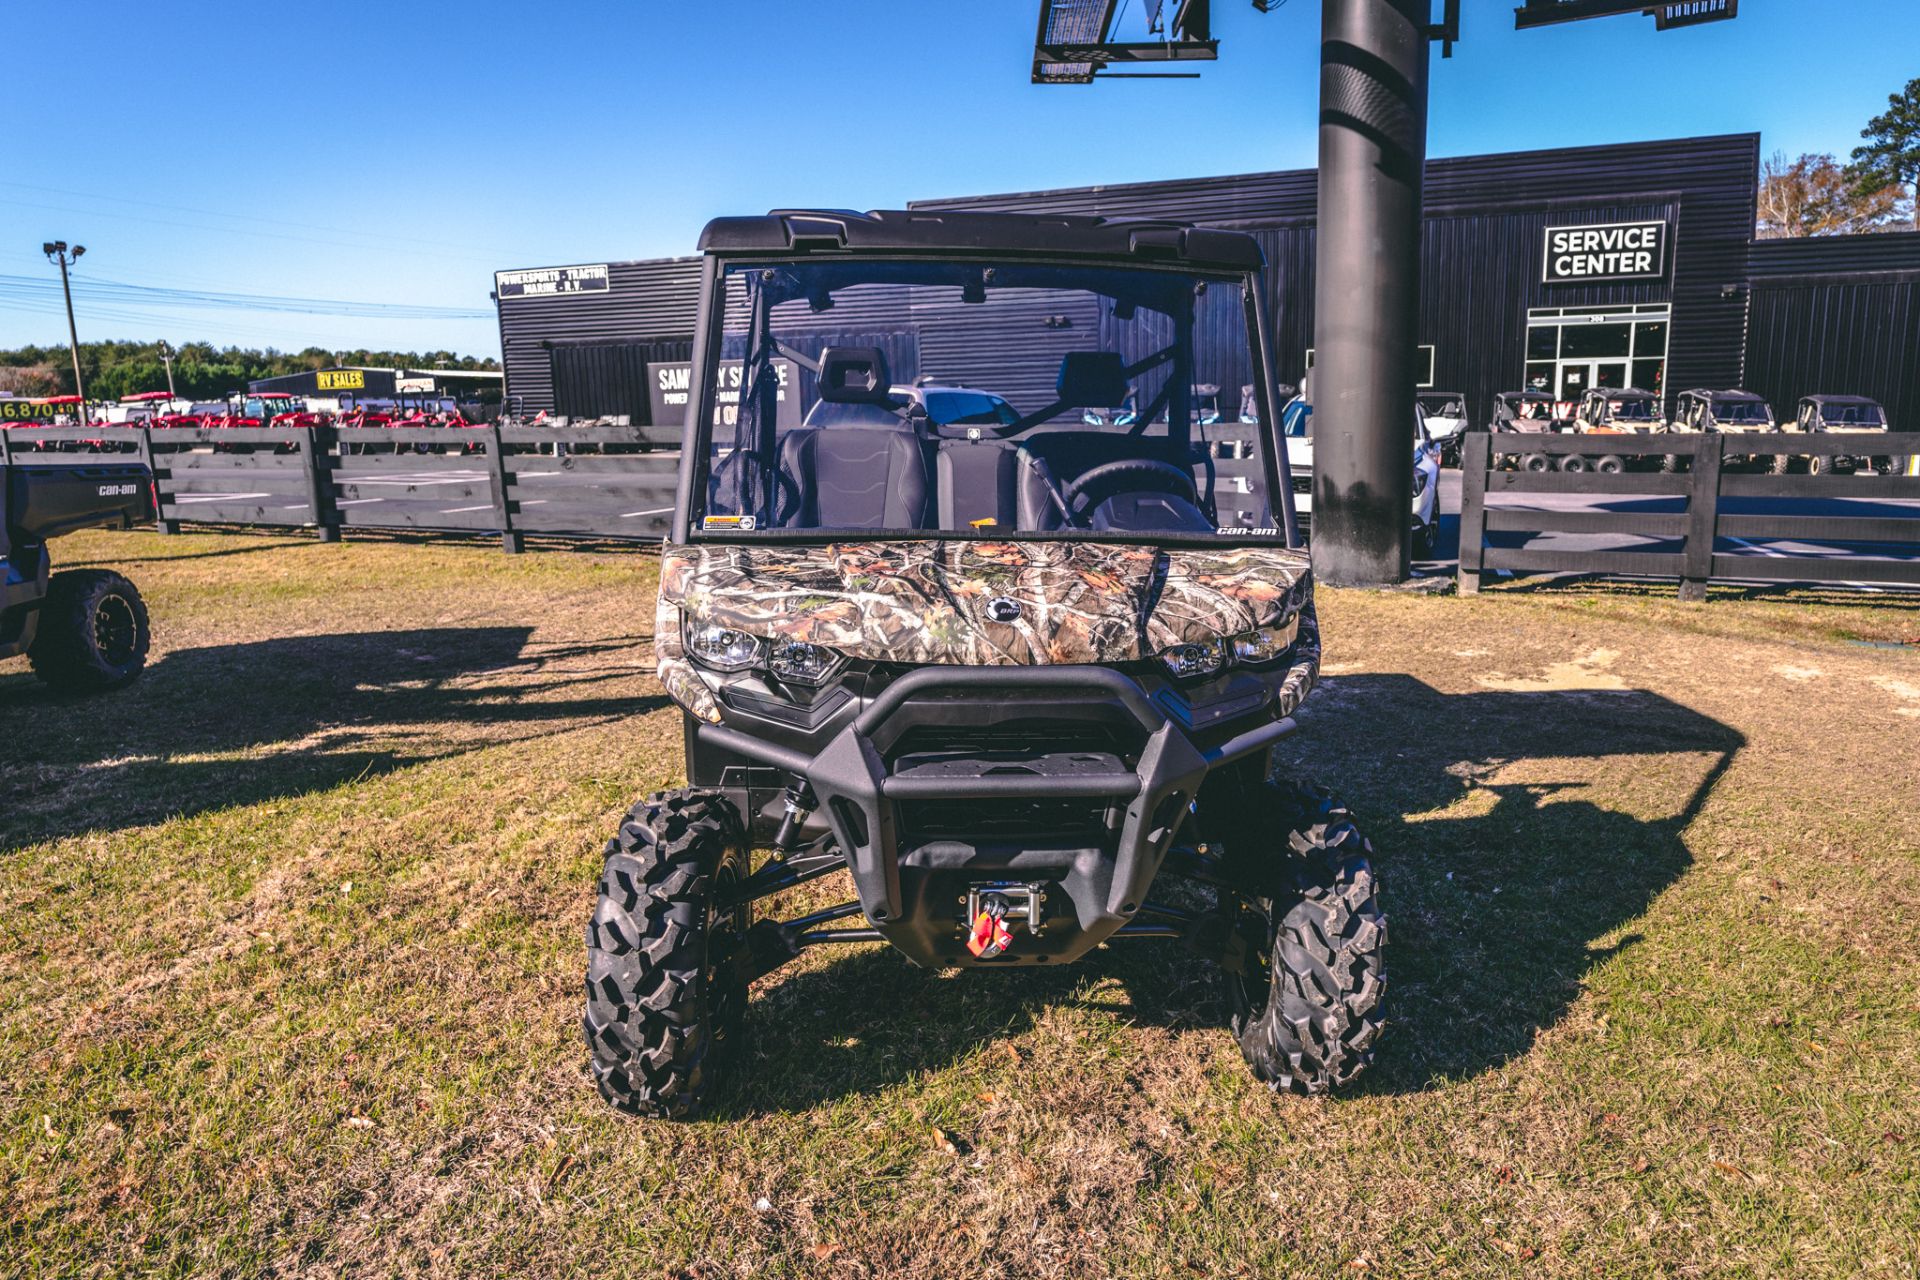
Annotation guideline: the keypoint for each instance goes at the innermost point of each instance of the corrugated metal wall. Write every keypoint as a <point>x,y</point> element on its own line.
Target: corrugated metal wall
<point>645,301</point>
<point>1481,264</point>
<point>1481,267</point>
<point>1838,315</point>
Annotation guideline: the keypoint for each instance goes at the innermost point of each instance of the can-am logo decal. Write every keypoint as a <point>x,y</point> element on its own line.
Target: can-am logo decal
<point>1003,609</point>
<point>1606,252</point>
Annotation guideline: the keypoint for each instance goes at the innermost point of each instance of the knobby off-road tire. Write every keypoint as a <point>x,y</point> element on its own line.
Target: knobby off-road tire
<point>92,632</point>
<point>663,998</point>
<point>1307,1007</point>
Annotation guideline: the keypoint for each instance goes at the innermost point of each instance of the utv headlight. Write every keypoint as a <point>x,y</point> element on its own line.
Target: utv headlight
<point>1192,661</point>
<point>1265,644</point>
<point>798,662</point>
<point>723,648</point>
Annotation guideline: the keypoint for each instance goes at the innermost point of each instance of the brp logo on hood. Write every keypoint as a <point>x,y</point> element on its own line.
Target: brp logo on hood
<point>1003,609</point>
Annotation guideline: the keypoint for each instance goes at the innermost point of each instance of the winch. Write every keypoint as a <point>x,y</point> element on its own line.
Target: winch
<point>991,905</point>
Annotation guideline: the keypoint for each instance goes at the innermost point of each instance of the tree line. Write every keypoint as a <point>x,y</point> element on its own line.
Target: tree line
<point>201,371</point>
<point>1817,195</point>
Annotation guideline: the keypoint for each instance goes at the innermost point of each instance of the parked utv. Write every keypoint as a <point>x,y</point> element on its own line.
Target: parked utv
<point>1446,413</point>
<point>83,630</point>
<point>1521,413</point>
<point>1016,681</point>
<point>1846,415</point>
<point>1729,413</point>
<point>1625,411</point>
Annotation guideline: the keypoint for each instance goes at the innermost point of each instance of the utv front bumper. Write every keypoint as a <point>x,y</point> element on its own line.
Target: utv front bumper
<point>939,787</point>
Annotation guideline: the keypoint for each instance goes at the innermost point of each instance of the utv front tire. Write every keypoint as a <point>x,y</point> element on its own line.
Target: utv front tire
<point>663,997</point>
<point>92,633</point>
<point>1307,1005</point>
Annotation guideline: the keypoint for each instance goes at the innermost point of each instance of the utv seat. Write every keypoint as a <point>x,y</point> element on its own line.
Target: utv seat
<point>853,477</point>
<point>994,484</point>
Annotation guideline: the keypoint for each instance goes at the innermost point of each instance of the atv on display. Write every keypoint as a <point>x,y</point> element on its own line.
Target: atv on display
<point>1736,413</point>
<point>1446,422</point>
<point>1846,415</point>
<point>1623,411</point>
<point>82,629</point>
<point>1521,413</point>
<point>1016,680</point>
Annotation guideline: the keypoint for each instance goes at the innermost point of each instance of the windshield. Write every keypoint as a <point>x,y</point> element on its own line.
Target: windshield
<point>998,399</point>
<point>1740,411</point>
<point>1853,415</point>
<point>1632,410</point>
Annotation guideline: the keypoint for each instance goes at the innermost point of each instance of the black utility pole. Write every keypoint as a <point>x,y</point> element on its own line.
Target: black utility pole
<point>56,251</point>
<point>1373,150</point>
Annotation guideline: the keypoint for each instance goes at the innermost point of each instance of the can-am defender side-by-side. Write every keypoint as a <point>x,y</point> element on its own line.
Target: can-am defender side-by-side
<point>1847,415</point>
<point>1446,417</point>
<point>1734,413</point>
<point>83,630</point>
<point>1517,413</point>
<point>1603,411</point>
<point>1016,682</point>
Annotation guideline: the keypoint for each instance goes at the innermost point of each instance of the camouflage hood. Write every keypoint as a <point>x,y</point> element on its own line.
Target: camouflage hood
<point>975,603</point>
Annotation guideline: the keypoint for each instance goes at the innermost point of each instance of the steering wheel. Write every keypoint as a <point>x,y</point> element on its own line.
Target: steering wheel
<point>1128,475</point>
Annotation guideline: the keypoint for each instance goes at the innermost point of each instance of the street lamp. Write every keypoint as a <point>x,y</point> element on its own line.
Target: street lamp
<point>56,251</point>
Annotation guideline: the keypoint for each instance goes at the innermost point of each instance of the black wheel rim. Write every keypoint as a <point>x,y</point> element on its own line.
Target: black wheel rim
<point>116,631</point>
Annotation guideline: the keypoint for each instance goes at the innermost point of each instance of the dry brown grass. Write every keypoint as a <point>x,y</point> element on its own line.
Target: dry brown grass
<point>290,939</point>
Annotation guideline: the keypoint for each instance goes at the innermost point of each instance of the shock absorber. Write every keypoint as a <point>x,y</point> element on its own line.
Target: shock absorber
<point>800,804</point>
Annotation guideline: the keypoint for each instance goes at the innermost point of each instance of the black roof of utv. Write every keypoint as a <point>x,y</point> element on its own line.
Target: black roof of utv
<point>1003,234</point>
<point>1823,401</point>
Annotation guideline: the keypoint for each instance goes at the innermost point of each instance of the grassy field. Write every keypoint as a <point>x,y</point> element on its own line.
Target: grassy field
<point>290,948</point>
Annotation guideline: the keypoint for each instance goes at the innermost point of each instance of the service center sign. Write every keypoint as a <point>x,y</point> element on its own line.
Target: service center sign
<point>552,282</point>
<point>669,386</point>
<point>1606,253</point>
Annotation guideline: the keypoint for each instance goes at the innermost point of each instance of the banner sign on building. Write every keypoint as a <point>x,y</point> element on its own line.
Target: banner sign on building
<point>669,383</point>
<point>551,282</point>
<point>1606,253</point>
<point>340,380</point>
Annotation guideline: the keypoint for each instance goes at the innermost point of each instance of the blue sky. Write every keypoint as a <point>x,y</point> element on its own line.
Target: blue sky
<point>401,152</point>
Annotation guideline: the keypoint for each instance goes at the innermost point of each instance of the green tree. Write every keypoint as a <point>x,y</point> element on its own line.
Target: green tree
<point>1890,159</point>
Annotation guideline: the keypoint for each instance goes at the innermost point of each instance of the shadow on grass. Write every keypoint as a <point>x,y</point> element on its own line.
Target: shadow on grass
<point>1496,916</point>
<point>313,711</point>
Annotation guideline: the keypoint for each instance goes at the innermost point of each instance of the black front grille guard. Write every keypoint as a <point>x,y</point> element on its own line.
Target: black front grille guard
<point>857,794</point>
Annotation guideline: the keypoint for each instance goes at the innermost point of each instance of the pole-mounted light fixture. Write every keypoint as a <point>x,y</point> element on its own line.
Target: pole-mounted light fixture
<point>56,251</point>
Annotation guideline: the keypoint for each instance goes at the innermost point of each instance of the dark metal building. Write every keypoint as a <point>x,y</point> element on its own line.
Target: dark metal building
<point>1563,270</point>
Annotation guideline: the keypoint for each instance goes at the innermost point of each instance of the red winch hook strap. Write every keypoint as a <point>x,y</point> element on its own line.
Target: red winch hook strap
<point>990,936</point>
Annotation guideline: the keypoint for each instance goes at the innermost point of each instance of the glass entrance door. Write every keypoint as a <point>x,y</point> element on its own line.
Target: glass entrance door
<point>1571,350</point>
<point>1580,376</point>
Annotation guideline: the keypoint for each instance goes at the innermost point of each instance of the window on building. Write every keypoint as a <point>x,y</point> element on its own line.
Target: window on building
<point>1571,350</point>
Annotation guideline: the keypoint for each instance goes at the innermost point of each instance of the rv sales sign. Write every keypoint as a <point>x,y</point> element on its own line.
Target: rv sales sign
<point>1609,252</point>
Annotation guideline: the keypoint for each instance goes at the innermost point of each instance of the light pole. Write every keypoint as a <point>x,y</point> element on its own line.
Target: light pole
<point>56,251</point>
<point>166,358</point>
<point>1373,148</point>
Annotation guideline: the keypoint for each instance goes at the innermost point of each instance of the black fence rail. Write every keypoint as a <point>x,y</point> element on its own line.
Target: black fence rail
<point>1696,534</point>
<point>597,481</point>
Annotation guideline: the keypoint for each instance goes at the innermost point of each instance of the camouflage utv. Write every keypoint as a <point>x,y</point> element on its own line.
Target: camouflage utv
<point>1014,676</point>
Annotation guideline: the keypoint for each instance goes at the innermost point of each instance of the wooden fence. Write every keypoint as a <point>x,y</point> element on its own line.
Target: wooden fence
<point>600,482</point>
<point>1705,520</point>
